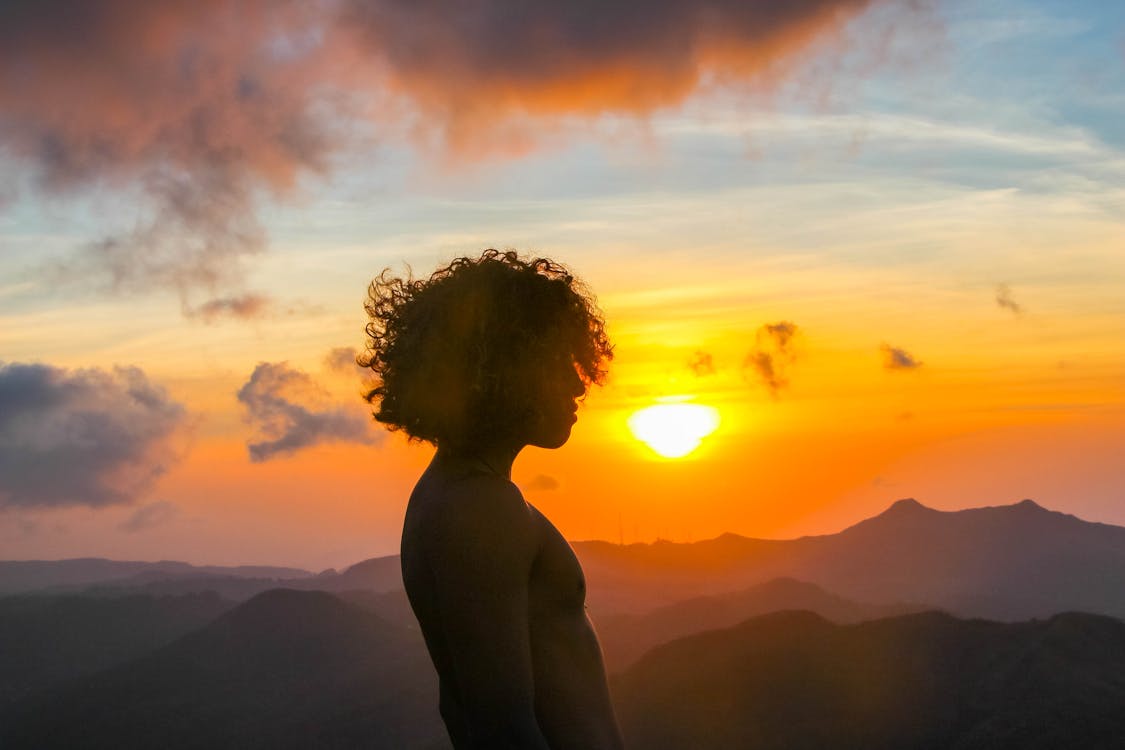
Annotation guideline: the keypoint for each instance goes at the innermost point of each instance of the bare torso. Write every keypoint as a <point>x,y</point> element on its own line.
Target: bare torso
<point>568,691</point>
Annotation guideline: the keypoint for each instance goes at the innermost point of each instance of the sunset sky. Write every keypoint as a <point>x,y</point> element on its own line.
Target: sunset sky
<point>884,240</point>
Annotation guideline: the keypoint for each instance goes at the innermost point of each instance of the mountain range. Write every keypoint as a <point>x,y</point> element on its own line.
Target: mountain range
<point>1008,562</point>
<point>301,669</point>
<point>732,642</point>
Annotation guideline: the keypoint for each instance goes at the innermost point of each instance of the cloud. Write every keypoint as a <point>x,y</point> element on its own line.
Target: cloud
<point>1004,299</point>
<point>83,437</point>
<point>772,354</point>
<point>702,364</point>
<point>495,61</point>
<point>241,307</point>
<point>542,483</point>
<point>208,107</point>
<point>199,105</point>
<point>290,411</point>
<point>342,359</point>
<point>895,358</point>
<point>149,516</point>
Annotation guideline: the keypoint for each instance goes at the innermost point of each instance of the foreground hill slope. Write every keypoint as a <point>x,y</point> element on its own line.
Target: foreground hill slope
<point>295,669</point>
<point>46,640</point>
<point>928,681</point>
<point>287,669</point>
<point>625,638</point>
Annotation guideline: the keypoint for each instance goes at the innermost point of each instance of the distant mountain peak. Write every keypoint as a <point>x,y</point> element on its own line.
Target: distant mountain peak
<point>1028,504</point>
<point>907,505</point>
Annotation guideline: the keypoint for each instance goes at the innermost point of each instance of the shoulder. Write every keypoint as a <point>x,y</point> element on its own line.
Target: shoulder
<point>485,512</point>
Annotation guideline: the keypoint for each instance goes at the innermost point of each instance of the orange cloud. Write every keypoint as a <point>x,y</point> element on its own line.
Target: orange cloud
<point>475,65</point>
<point>202,103</point>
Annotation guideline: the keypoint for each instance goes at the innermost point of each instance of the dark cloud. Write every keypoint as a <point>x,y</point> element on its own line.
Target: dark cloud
<point>82,437</point>
<point>702,364</point>
<point>149,516</point>
<point>205,108</point>
<point>542,483</point>
<point>895,358</point>
<point>290,411</point>
<point>1004,299</point>
<point>773,354</point>
<point>342,359</point>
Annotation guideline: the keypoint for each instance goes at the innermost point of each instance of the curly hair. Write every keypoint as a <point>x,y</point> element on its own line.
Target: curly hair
<point>457,356</point>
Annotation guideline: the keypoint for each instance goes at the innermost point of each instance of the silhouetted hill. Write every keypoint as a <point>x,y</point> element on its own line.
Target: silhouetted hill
<point>928,681</point>
<point>377,574</point>
<point>46,640</point>
<point>234,588</point>
<point>1009,562</point>
<point>28,575</point>
<point>625,638</point>
<point>287,669</point>
<point>110,578</point>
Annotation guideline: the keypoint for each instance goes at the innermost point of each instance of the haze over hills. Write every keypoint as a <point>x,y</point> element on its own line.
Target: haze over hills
<point>793,680</point>
<point>1004,562</point>
<point>28,575</point>
<point>625,638</point>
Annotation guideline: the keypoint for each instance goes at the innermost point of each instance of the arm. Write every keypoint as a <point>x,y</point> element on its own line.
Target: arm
<point>480,553</point>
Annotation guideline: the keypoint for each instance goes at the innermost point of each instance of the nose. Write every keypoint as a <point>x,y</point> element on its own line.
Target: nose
<point>577,384</point>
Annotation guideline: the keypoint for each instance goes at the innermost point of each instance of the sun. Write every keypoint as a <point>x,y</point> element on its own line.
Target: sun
<point>674,430</point>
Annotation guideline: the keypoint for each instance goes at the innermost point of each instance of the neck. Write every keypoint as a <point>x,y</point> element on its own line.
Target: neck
<point>494,459</point>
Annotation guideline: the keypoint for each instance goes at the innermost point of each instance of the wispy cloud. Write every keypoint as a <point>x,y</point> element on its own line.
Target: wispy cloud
<point>702,364</point>
<point>542,483</point>
<point>149,516</point>
<point>772,355</point>
<point>83,437</point>
<point>291,412</point>
<point>239,307</point>
<point>896,358</point>
<point>342,359</point>
<point>1004,299</point>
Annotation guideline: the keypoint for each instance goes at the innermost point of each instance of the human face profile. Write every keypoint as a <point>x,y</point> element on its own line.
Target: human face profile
<point>555,407</point>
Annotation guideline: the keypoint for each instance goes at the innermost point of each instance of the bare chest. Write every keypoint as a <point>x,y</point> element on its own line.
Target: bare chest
<point>557,582</point>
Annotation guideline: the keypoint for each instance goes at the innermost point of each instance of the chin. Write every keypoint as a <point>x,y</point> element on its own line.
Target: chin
<point>551,440</point>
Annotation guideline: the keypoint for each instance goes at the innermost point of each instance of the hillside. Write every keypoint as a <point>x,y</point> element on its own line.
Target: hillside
<point>625,638</point>
<point>47,640</point>
<point>928,681</point>
<point>287,669</point>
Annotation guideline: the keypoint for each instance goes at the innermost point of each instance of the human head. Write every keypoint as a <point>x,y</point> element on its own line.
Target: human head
<point>484,351</point>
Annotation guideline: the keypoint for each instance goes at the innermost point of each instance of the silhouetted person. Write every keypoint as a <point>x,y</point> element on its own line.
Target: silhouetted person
<point>487,356</point>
